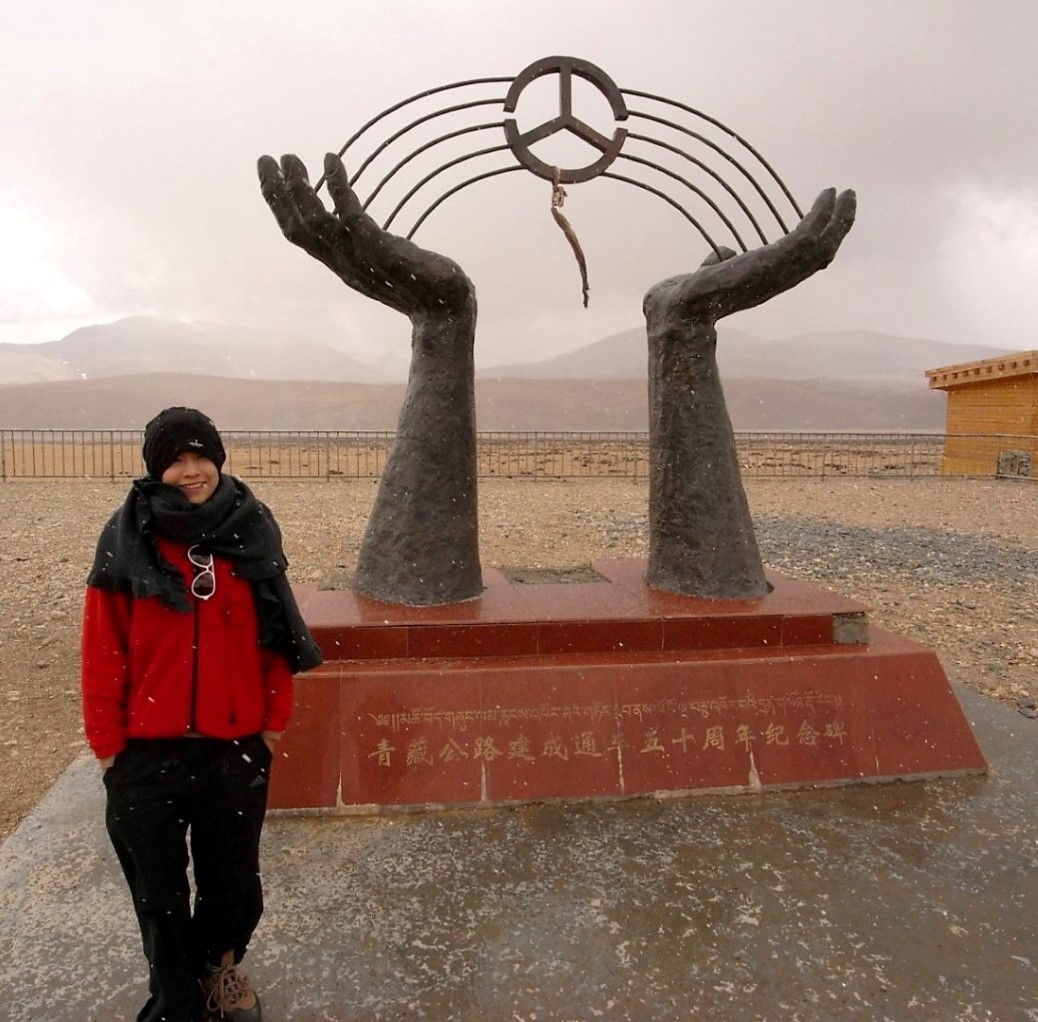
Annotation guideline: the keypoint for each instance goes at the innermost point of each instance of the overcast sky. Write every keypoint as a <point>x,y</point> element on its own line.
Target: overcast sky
<point>131,130</point>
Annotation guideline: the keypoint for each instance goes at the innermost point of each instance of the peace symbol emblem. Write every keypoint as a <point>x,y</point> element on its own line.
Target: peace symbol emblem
<point>565,68</point>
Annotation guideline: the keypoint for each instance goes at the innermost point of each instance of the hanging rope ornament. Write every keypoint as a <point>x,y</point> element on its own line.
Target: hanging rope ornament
<point>558,197</point>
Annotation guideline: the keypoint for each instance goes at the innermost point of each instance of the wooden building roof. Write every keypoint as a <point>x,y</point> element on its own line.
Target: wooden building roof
<point>1020,363</point>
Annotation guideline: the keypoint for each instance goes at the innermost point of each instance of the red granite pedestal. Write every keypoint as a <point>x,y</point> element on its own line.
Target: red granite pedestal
<point>608,689</point>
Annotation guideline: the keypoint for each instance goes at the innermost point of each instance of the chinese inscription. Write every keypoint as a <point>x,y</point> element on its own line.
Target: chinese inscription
<point>425,736</point>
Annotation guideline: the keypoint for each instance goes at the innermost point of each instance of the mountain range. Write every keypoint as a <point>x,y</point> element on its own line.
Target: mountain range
<point>117,375</point>
<point>149,344</point>
<point>836,355</point>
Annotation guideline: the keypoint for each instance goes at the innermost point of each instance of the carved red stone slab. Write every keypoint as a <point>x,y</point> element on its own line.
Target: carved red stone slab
<point>308,760</point>
<point>609,689</point>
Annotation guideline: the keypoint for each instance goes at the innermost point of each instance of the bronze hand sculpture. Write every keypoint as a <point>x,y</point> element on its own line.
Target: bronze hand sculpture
<point>701,539</point>
<point>421,545</point>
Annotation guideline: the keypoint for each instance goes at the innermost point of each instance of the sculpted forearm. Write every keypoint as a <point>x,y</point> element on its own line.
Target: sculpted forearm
<point>421,545</point>
<point>701,539</point>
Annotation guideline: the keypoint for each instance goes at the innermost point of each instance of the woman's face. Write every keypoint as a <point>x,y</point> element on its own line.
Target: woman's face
<point>196,477</point>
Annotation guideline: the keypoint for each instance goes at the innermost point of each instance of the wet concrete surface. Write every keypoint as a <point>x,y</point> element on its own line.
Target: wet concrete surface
<point>899,902</point>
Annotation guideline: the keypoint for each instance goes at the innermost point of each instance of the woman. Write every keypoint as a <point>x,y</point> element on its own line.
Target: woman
<point>191,636</point>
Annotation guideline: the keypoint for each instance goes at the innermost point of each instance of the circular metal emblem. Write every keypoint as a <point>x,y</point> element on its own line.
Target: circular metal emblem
<point>565,68</point>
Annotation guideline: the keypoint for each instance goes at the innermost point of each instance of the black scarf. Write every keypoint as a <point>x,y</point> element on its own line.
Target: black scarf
<point>231,524</point>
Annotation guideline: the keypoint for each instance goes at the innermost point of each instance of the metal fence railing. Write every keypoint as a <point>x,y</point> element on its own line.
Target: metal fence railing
<point>36,454</point>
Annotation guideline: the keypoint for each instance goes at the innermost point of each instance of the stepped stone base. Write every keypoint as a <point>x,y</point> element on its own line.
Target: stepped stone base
<point>602,687</point>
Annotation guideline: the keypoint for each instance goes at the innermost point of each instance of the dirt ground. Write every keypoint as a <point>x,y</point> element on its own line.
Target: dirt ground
<point>951,563</point>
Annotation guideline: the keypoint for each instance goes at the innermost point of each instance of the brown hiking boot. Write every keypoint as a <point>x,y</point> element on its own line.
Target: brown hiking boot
<point>228,993</point>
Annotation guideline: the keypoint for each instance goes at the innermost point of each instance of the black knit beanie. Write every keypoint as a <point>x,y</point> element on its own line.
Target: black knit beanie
<point>176,430</point>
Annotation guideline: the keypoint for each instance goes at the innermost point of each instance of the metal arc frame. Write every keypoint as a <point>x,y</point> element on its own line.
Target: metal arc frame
<point>752,180</point>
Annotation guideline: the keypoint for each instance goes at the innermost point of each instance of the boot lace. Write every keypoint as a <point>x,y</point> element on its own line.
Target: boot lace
<point>227,988</point>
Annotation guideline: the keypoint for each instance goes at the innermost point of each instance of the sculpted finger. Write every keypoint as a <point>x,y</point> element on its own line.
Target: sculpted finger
<point>842,219</point>
<point>722,254</point>
<point>847,204</point>
<point>836,229</point>
<point>268,170</point>
<point>818,216</point>
<point>393,256</point>
<point>275,194</point>
<point>297,181</point>
<point>345,199</point>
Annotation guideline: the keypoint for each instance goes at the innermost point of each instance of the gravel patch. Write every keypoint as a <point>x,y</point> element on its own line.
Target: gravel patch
<point>951,563</point>
<point>929,556</point>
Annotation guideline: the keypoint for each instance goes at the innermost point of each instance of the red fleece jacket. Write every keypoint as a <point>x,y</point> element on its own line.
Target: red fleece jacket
<point>153,672</point>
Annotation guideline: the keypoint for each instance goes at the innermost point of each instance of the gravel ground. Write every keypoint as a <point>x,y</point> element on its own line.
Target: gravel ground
<point>951,563</point>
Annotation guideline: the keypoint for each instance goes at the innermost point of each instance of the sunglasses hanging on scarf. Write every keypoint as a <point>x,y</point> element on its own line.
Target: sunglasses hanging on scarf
<point>203,585</point>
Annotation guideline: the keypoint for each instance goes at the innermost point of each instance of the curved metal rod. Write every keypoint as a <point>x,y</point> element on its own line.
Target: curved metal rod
<point>414,124</point>
<point>439,170</point>
<point>413,99</point>
<point>706,198</point>
<point>708,170</point>
<point>728,156</point>
<point>422,148</point>
<point>728,131</point>
<point>647,116</point>
<point>606,173</point>
<point>493,149</point>
<point>457,188</point>
<point>673,202</point>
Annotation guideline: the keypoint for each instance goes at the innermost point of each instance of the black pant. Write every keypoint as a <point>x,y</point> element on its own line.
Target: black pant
<point>157,789</point>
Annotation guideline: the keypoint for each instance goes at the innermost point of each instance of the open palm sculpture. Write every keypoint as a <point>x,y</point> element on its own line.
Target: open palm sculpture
<point>421,545</point>
<point>701,539</point>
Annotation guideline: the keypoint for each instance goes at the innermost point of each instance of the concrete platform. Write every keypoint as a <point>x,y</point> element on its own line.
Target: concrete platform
<point>899,901</point>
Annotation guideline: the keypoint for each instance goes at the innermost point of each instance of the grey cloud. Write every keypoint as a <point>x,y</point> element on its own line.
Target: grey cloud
<point>136,128</point>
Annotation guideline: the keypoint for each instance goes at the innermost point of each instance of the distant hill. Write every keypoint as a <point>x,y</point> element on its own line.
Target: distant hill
<point>119,374</point>
<point>510,404</point>
<point>837,355</point>
<point>146,344</point>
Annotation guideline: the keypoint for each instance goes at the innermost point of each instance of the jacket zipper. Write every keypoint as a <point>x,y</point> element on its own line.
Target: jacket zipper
<point>194,672</point>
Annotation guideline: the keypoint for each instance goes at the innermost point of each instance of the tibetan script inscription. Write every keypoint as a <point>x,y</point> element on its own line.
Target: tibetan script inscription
<point>750,704</point>
<point>617,748</point>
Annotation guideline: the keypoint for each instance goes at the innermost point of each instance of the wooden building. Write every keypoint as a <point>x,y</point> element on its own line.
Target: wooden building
<point>992,419</point>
